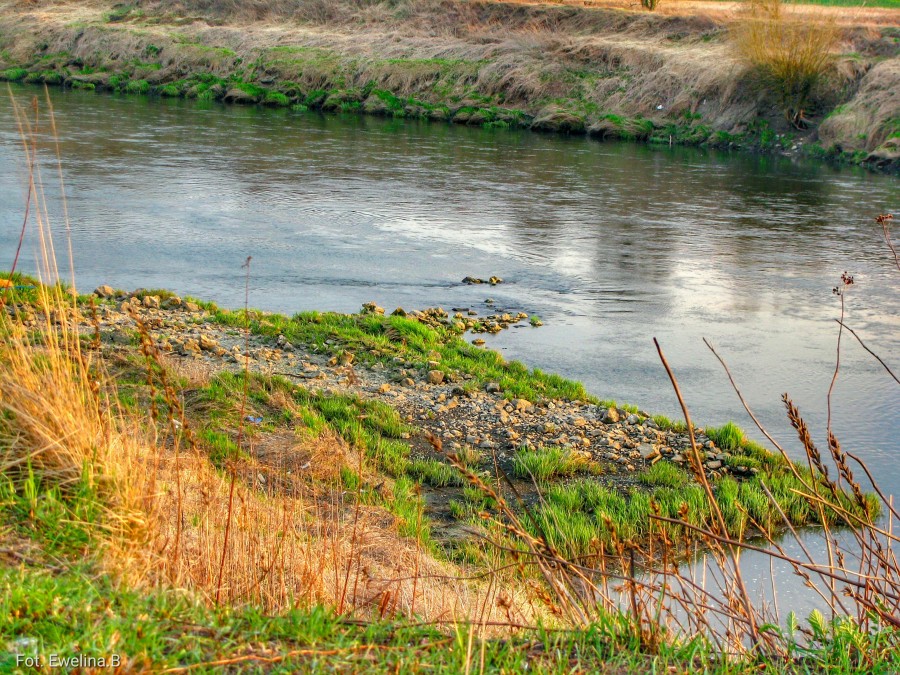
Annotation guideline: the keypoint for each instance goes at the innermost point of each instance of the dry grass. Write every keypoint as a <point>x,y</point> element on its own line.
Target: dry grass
<point>276,529</point>
<point>598,63</point>
<point>792,52</point>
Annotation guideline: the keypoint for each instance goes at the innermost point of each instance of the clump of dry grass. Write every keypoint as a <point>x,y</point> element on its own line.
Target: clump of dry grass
<point>277,529</point>
<point>792,52</point>
<point>58,423</point>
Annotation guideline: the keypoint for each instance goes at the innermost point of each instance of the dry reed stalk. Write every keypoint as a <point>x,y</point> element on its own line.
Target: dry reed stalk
<point>59,421</point>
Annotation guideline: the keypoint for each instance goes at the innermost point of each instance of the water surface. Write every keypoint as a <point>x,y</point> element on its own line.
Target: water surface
<point>610,244</point>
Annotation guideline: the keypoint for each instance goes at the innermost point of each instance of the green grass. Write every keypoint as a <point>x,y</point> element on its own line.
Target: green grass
<point>470,458</point>
<point>79,610</point>
<point>728,437</point>
<point>13,74</point>
<point>579,516</point>
<point>162,629</point>
<point>434,472</point>
<point>276,98</point>
<point>612,403</point>
<point>381,338</point>
<point>547,463</point>
<point>667,424</point>
<point>138,87</point>
<point>665,474</point>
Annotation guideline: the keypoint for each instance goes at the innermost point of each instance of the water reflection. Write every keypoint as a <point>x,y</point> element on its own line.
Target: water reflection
<point>612,244</point>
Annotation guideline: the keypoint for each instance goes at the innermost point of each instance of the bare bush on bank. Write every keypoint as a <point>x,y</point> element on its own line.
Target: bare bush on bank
<point>792,52</point>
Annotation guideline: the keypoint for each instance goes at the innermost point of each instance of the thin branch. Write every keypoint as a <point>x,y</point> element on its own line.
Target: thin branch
<point>863,345</point>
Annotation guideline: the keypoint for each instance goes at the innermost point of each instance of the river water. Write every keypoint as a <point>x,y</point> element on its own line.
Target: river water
<point>611,244</point>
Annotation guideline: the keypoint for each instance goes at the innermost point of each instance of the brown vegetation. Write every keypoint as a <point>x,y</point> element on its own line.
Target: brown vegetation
<point>575,69</point>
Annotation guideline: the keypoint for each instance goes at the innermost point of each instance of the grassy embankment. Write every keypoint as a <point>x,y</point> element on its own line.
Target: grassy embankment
<point>607,72</point>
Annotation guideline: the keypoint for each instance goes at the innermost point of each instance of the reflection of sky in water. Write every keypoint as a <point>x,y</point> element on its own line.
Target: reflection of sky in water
<point>610,244</point>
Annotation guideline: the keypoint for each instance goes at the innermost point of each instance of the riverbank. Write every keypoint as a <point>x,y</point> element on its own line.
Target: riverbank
<point>446,397</point>
<point>608,72</point>
<point>273,492</point>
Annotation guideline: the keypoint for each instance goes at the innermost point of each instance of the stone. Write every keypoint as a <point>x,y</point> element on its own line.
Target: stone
<point>648,451</point>
<point>173,302</point>
<point>477,342</point>
<point>190,346</point>
<point>493,281</point>
<point>632,419</point>
<point>241,359</point>
<point>522,405</point>
<point>611,416</point>
<point>407,382</point>
<point>105,291</point>
<point>372,308</point>
<point>435,377</point>
<point>492,388</point>
<point>207,343</point>
<point>472,280</point>
<point>192,307</point>
<point>716,464</point>
<point>399,312</point>
<point>384,388</point>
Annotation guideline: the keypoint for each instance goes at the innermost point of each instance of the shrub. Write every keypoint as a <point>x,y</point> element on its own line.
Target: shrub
<point>790,52</point>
